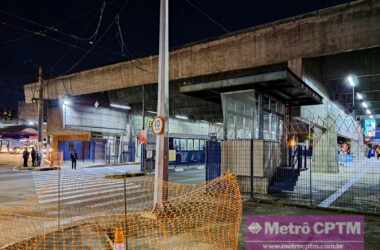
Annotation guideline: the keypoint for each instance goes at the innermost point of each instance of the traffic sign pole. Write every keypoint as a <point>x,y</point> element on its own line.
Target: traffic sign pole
<point>162,145</point>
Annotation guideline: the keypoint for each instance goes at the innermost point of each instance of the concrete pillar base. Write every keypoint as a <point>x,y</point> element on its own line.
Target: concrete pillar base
<point>325,151</point>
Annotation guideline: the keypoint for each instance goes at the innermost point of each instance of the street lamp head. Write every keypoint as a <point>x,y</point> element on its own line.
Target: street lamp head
<point>351,80</point>
<point>368,112</point>
<point>359,96</point>
<point>66,101</point>
<point>365,105</point>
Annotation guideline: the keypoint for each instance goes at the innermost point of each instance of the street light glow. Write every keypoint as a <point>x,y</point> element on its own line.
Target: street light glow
<point>182,117</point>
<point>66,101</point>
<point>351,81</point>
<point>371,116</point>
<point>118,106</point>
<point>368,112</point>
<point>365,105</point>
<point>359,96</point>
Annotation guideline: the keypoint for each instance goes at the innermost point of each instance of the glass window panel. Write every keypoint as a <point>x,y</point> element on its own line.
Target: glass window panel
<point>177,145</point>
<point>183,144</point>
<point>274,126</point>
<point>196,144</point>
<point>280,129</point>
<point>266,125</point>
<point>239,110</point>
<point>266,103</point>
<point>202,144</point>
<point>273,105</point>
<point>190,144</point>
<point>240,127</point>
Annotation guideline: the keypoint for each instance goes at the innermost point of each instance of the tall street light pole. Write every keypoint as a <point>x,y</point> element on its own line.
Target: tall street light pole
<point>352,80</point>
<point>162,144</point>
<point>40,104</point>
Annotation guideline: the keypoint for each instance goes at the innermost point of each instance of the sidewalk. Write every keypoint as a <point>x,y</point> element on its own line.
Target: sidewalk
<point>99,164</point>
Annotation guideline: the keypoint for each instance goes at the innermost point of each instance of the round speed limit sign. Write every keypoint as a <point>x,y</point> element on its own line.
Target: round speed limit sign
<point>158,125</point>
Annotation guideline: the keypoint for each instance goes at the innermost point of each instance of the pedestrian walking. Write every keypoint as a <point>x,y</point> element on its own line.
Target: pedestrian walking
<point>25,156</point>
<point>74,158</point>
<point>33,154</point>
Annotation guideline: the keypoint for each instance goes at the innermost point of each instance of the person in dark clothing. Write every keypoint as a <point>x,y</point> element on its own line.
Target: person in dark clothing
<point>25,156</point>
<point>33,154</point>
<point>38,159</point>
<point>74,157</point>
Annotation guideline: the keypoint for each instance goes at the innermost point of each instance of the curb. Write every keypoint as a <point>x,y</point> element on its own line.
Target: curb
<point>112,165</point>
<point>22,169</point>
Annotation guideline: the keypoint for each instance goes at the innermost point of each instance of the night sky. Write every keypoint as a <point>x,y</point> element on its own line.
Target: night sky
<point>55,34</point>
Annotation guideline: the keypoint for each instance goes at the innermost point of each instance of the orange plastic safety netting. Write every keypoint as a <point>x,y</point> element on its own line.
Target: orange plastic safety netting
<point>203,216</point>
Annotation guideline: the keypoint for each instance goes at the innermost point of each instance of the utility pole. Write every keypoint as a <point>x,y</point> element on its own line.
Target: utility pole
<point>143,155</point>
<point>40,104</point>
<point>162,143</point>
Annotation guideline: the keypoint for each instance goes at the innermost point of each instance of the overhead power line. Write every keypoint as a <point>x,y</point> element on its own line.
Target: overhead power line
<point>221,26</point>
<point>122,43</point>
<point>21,38</point>
<point>98,40</point>
<point>57,30</point>
<point>43,35</point>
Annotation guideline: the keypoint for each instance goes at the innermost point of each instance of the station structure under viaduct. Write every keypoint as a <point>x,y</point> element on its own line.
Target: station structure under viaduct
<point>252,84</point>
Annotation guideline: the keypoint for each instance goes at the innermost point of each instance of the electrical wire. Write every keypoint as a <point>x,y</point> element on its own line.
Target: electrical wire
<point>97,41</point>
<point>21,38</point>
<point>4,44</point>
<point>43,35</point>
<point>122,43</point>
<point>55,29</point>
<point>221,26</point>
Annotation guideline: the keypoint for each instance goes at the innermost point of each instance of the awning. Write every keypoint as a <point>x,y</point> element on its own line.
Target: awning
<point>278,82</point>
<point>18,132</point>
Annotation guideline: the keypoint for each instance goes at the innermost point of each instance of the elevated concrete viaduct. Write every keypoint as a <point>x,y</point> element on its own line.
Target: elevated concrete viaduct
<point>308,49</point>
<point>347,27</point>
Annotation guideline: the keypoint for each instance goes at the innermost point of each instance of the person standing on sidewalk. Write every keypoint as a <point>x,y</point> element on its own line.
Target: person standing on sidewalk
<point>25,156</point>
<point>74,157</point>
<point>33,154</point>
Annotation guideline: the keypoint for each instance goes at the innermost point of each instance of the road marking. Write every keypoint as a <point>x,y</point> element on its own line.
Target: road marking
<point>332,198</point>
<point>84,193</point>
<point>68,191</point>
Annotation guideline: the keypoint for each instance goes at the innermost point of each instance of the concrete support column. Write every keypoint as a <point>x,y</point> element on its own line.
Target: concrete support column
<point>325,150</point>
<point>296,66</point>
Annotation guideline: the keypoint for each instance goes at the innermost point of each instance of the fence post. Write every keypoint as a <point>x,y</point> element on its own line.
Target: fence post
<point>304,153</point>
<point>59,197</point>
<point>251,159</point>
<point>299,158</point>
<point>310,174</point>
<point>125,213</point>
